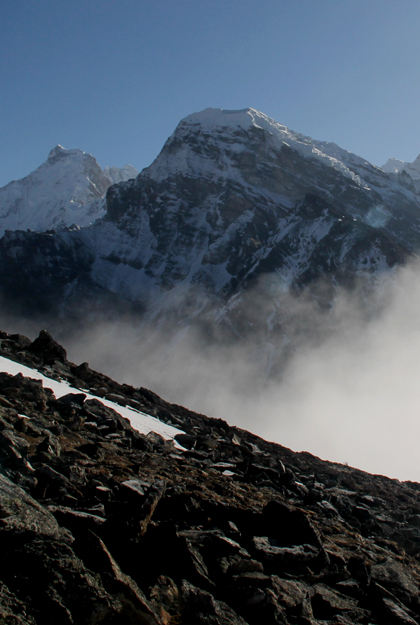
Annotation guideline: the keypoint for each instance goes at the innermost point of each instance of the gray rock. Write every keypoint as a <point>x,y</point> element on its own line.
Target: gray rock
<point>201,608</point>
<point>22,515</point>
<point>135,608</point>
<point>278,558</point>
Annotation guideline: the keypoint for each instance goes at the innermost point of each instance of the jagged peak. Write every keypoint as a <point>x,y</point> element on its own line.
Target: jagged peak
<point>223,124</point>
<point>393,165</point>
<point>244,118</point>
<point>60,151</point>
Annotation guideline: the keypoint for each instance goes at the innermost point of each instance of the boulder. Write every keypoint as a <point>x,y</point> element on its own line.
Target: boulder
<point>21,517</point>
<point>47,349</point>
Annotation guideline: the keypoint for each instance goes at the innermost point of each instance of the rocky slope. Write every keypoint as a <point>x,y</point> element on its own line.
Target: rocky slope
<point>69,188</point>
<point>102,524</point>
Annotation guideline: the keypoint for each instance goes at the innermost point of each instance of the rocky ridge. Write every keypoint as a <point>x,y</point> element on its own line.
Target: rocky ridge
<point>102,524</point>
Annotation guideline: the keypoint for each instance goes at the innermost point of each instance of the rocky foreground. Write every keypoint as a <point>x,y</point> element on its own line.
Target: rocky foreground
<point>100,524</point>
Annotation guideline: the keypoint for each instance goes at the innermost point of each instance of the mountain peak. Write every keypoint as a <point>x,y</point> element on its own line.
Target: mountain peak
<point>396,166</point>
<point>68,188</point>
<point>225,118</point>
<point>207,143</point>
<point>57,150</point>
<point>60,151</point>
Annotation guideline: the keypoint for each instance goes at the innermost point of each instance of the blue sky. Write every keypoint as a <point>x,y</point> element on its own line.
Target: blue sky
<point>114,77</point>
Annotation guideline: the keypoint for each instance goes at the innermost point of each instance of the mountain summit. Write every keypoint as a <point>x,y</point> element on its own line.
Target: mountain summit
<point>67,189</point>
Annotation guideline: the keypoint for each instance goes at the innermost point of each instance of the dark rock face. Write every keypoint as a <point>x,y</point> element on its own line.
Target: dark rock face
<point>39,267</point>
<point>102,524</point>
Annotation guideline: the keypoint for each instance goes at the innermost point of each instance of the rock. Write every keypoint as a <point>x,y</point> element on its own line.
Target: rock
<point>21,517</point>
<point>186,440</point>
<point>77,522</point>
<point>20,341</point>
<point>359,569</point>
<point>288,525</point>
<point>47,349</point>
<point>194,564</point>
<point>135,489</point>
<point>396,614</point>
<point>327,603</point>
<point>292,594</point>
<point>392,575</point>
<point>238,565</point>
<point>50,445</point>
<point>157,441</point>
<point>152,497</point>
<point>12,611</point>
<point>83,372</point>
<point>214,554</point>
<point>135,608</point>
<point>200,608</point>
<point>51,483</point>
<point>119,527</point>
<point>285,559</point>
<point>77,399</point>
<point>93,450</point>
<point>165,597</point>
<point>63,590</point>
<point>14,449</point>
<point>21,425</point>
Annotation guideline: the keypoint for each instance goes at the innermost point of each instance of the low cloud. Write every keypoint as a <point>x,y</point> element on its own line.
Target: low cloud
<point>350,392</point>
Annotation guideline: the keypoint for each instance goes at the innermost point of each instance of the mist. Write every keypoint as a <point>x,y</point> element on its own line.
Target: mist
<point>349,392</point>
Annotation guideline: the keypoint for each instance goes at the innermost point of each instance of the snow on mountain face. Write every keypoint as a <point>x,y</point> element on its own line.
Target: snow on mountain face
<point>140,421</point>
<point>395,166</point>
<point>67,189</point>
<point>235,204</point>
<point>413,168</point>
<point>221,125</point>
<point>228,186</point>
<point>117,174</point>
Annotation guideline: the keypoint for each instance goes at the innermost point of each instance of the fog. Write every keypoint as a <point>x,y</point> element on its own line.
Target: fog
<point>349,395</point>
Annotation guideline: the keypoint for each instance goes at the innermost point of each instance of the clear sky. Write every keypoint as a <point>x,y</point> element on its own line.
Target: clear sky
<point>114,77</point>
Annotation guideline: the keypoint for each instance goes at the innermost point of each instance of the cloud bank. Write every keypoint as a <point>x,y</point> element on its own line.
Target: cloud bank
<point>350,393</point>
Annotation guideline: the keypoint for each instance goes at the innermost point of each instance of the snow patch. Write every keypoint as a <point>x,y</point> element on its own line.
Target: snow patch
<point>140,421</point>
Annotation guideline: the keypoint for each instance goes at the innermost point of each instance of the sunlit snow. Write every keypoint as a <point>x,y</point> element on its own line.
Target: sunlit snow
<point>140,421</point>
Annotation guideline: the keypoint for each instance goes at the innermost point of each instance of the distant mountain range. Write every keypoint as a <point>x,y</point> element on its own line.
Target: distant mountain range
<point>235,214</point>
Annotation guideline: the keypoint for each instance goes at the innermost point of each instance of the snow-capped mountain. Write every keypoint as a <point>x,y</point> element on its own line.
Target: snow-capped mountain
<point>120,174</point>
<point>235,195</point>
<point>69,188</point>
<point>395,166</point>
<point>235,212</point>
